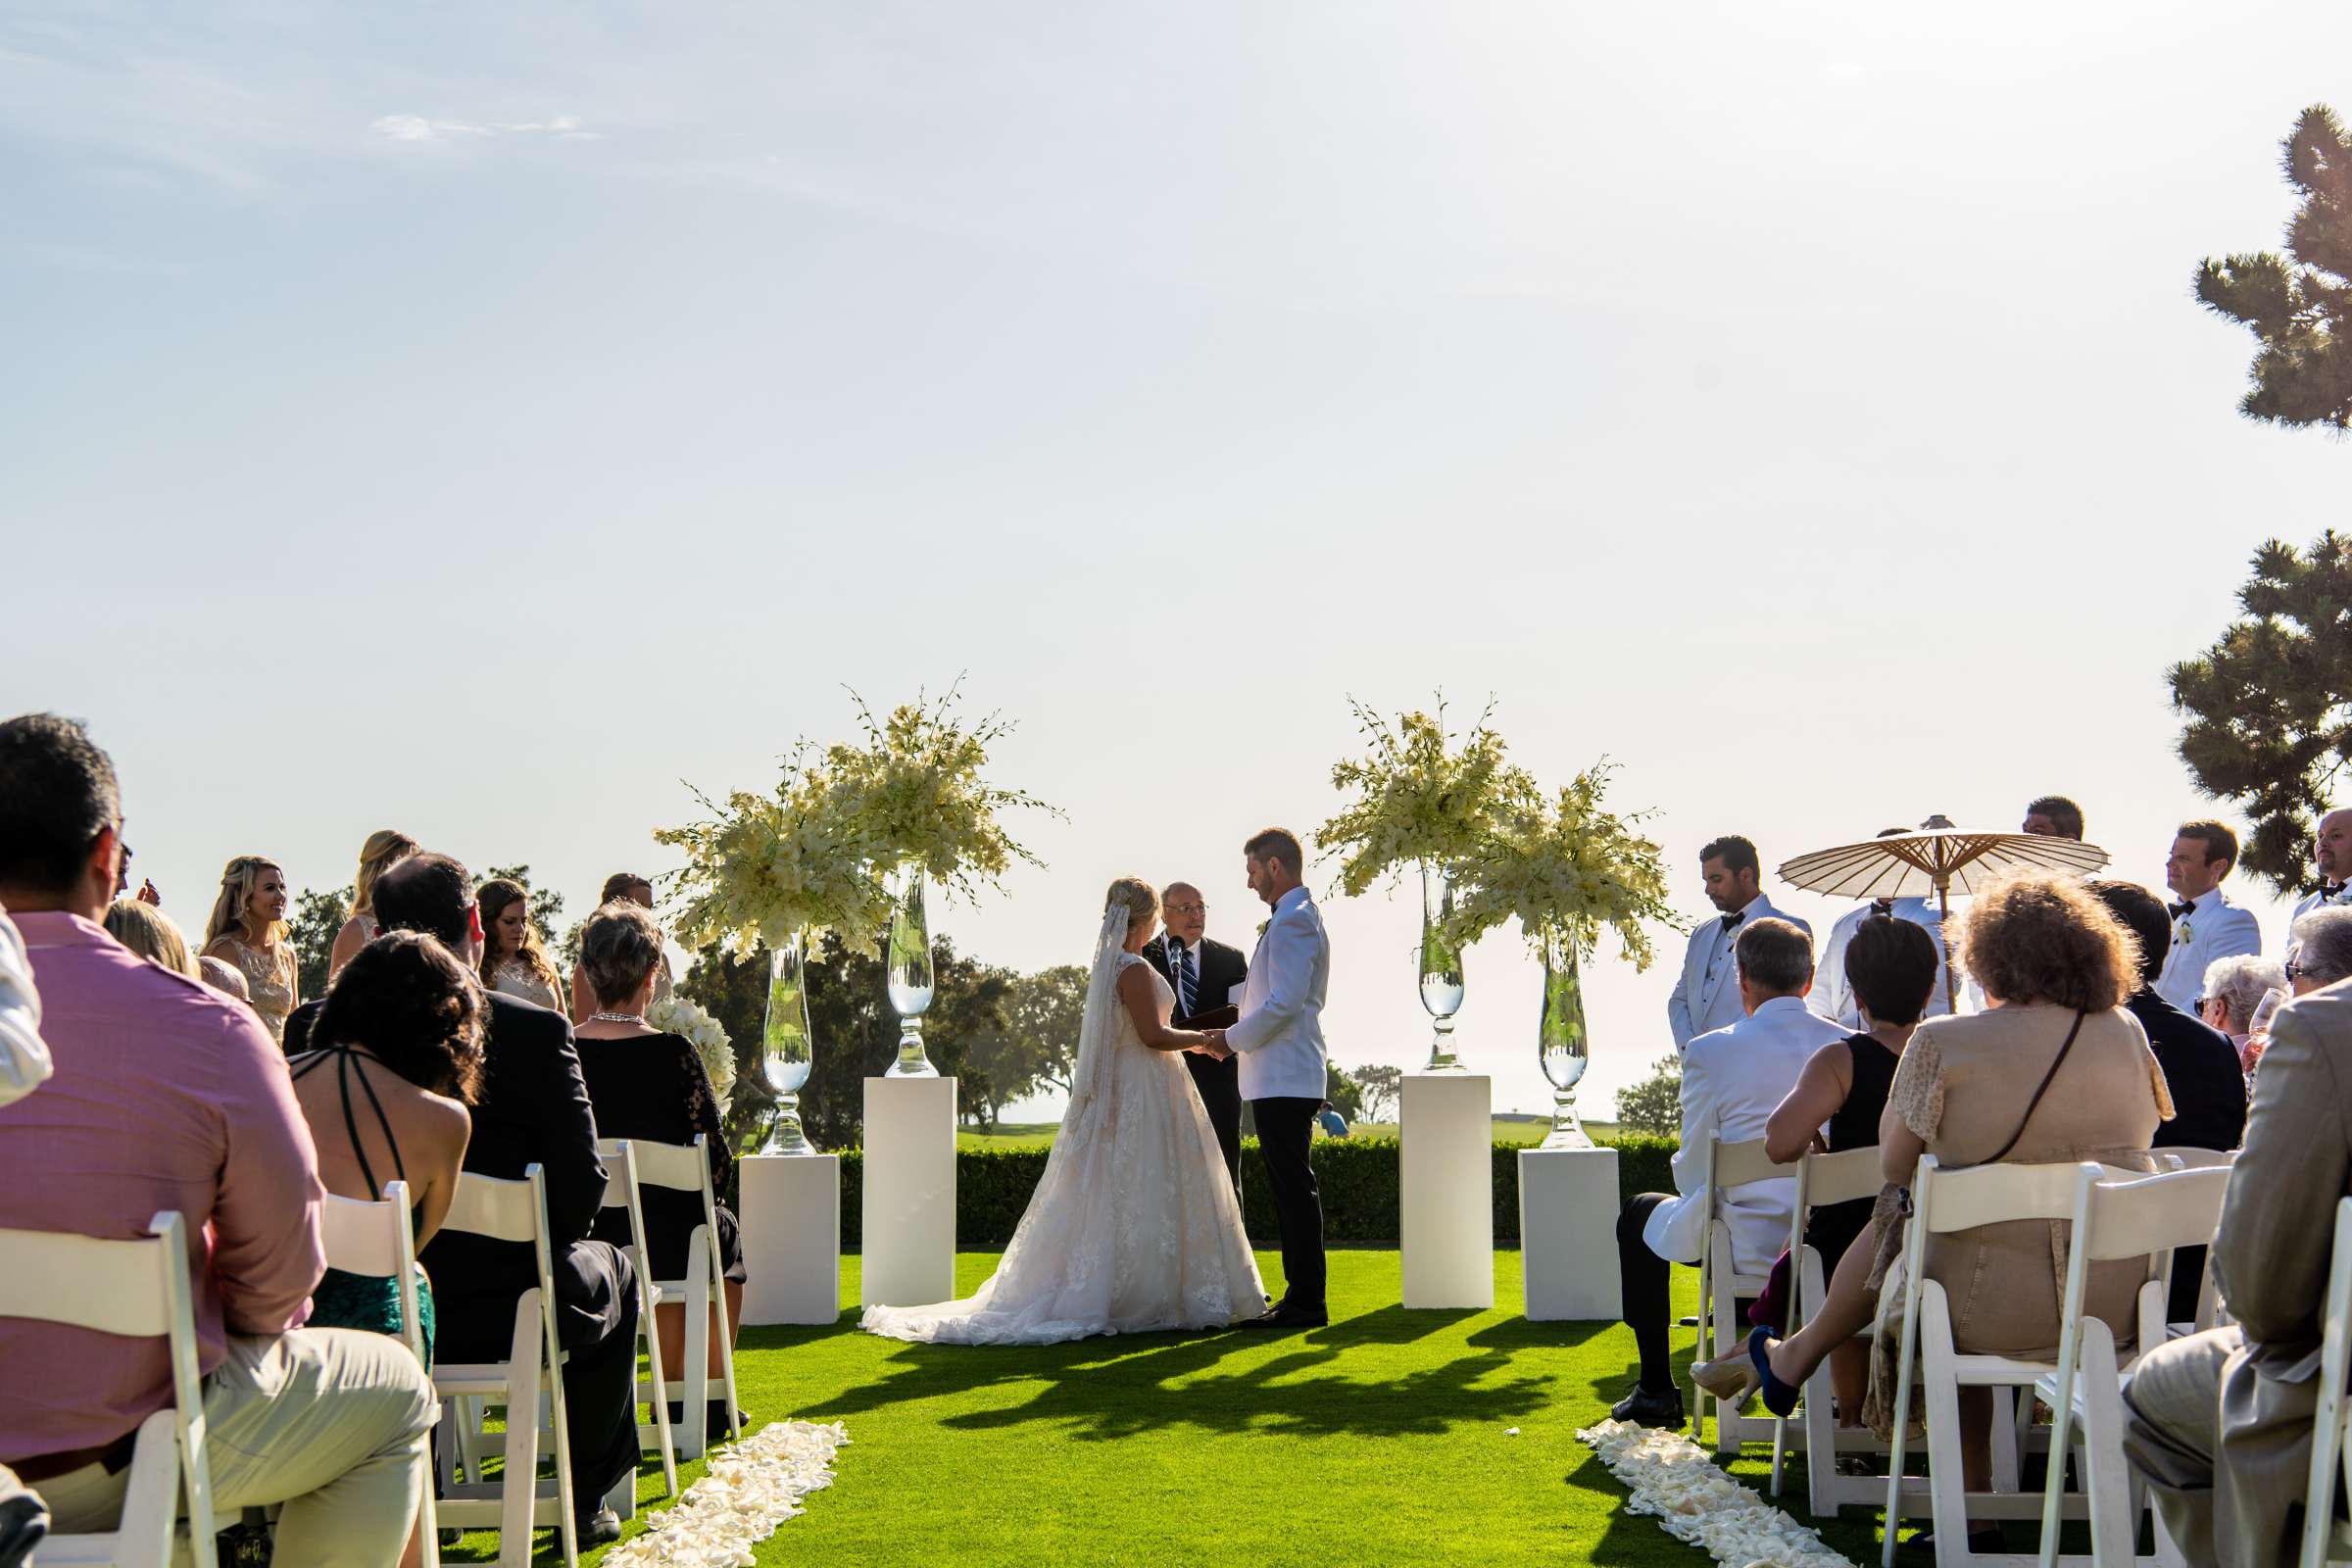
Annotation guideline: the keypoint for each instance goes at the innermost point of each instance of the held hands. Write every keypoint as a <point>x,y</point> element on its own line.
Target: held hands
<point>1213,1044</point>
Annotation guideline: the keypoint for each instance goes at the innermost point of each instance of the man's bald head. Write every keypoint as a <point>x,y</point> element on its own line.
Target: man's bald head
<point>1185,911</point>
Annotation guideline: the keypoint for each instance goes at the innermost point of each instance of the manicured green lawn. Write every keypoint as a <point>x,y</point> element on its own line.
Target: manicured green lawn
<point>1385,1437</point>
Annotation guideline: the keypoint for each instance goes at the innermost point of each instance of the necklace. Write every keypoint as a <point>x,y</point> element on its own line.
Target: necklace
<point>616,1017</point>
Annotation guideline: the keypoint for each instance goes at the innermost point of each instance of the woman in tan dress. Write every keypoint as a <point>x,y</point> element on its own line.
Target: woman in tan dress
<point>248,928</point>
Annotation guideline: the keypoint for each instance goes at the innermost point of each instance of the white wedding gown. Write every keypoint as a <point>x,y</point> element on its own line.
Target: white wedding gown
<point>1134,1225</point>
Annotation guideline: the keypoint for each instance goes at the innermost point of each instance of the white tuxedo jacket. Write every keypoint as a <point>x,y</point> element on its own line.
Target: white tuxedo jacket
<point>1732,1079</point>
<point>1833,999</point>
<point>2213,928</point>
<point>2309,902</point>
<point>1701,1001</point>
<point>1279,1037</point>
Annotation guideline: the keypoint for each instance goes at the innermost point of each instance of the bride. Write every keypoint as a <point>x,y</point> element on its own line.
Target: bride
<point>1134,1225</point>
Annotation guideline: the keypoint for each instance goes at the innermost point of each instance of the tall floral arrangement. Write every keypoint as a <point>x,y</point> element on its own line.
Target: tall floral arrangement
<point>1566,869</point>
<point>1421,795</point>
<point>914,795</point>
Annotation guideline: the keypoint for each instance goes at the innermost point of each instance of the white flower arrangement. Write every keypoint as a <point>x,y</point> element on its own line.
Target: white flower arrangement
<point>1672,1477</point>
<point>752,1487</point>
<point>1564,869</point>
<point>914,795</point>
<point>1420,798</point>
<point>673,1014</point>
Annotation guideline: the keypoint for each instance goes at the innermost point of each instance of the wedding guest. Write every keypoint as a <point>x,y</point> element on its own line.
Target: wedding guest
<point>2201,1068</point>
<point>636,890</point>
<point>384,848</point>
<point>2206,925</point>
<point>1732,1079</point>
<point>1203,973</point>
<point>514,962</point>
<point>1839,1102</point>
<point>224,977</point>
<point>531,1109</point>
<point>328,1424</point>
<point>2331,859</point>
<point>149,932</point>
<point>1832,997</point>
<point>2053,817</point>
<point>248,928</point>
<point>649,1085</point>
<point>1708,998</point>
<point>2233,989</point>
<point>2322,951</point>
<point>23,1058</point>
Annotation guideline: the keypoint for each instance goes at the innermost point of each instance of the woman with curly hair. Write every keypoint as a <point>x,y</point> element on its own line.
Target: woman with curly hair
<point>385,848</point>
<point>514,961</point>
<point>248,928</point>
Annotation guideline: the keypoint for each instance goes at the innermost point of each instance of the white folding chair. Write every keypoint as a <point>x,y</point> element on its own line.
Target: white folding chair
<point>686,1168</point>
<point>1721,1285</point>
<point>2326,1538</point>
<point>380,1240</point>
<point>619,1156</point>
<point>2146,1218</point>
<point>2211,1309</point>
<point>519,1501</point>
<point>138,1290</point>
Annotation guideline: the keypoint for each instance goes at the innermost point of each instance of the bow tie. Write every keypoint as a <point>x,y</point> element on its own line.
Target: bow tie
<point>1883,907</point>
<point>1731,922</point>
<point>2330,892</point>
<point>2181,911</point>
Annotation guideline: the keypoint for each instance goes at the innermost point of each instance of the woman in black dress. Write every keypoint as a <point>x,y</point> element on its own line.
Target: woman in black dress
<point>650,1086</point>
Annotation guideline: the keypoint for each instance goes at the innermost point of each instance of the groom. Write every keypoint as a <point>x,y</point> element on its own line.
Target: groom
<point>1279,1039</point>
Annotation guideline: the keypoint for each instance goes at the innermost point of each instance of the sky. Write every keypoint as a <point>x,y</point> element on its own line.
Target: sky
<point>489,421</point>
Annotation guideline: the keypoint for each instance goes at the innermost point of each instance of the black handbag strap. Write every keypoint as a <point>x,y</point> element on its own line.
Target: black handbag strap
<point>2042,1089</point>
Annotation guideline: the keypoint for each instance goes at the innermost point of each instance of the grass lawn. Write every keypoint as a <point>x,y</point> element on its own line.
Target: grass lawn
<point>1382,1439</point>
<point>1040,1135</point>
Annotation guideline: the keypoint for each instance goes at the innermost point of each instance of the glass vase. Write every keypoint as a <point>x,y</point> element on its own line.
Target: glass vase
<point>786,1046</point>
<point>1440,967</point>
<point>1561,1043</point>
<point>909,962</point>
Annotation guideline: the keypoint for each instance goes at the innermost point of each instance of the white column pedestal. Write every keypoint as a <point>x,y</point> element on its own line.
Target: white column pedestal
<point>910,1209</point>
<point>1568,1203</point>
<point>790,1238</point>
<point>1448,1208</point>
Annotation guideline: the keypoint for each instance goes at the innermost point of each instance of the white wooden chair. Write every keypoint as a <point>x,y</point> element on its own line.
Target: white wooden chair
<point>2146,1218</point>
<point>619,1156</point>
<point>686,1168</point>
<point>1721,1285</point>
<point>2326,1538</point>
<point>380,1239</point>
<point>138,1290</point>
<point>519,1501</point>
<point>2212,1311</point>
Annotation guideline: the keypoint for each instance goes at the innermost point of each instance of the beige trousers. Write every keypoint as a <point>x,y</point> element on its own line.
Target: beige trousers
<point>331,1423</point>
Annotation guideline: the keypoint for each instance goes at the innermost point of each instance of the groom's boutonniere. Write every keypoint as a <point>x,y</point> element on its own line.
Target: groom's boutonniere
<point>1261,928</point>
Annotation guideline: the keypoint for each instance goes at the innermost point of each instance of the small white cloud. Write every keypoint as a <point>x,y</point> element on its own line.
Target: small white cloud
<point>416,129</point>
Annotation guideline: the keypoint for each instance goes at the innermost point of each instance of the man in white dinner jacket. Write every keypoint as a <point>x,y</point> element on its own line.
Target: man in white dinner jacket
<point>1706,998</point>
<point>1830,996</point>
<point>2206,925</point>
<point>1732,1079</point>
<point>1279,1037</point>
<point>2331,857</point>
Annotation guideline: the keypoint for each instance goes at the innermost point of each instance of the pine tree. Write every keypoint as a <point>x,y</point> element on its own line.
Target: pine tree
<point>2268,722</point>
<point>2299,305</point>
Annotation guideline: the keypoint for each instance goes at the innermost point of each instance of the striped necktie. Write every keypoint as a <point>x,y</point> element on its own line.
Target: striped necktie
<point>1188,983</point>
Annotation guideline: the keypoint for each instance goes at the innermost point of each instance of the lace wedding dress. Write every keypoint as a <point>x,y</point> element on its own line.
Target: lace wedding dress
<point>1134,1225</point>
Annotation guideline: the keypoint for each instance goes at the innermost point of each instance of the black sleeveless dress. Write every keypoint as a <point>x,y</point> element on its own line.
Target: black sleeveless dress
<point>1832,1229</point>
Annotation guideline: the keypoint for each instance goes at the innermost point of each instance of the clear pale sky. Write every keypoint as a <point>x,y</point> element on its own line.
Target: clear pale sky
<point>478,422</point>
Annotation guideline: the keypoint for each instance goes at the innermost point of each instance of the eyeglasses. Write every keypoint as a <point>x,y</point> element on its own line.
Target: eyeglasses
<point>1188,909</point>
<point>2296,969</point>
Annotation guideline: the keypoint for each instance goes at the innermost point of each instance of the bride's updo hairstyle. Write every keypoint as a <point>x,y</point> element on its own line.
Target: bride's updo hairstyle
<point>1140,896</point>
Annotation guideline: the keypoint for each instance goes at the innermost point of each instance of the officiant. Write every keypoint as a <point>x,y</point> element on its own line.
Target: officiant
<point>1203,974</point>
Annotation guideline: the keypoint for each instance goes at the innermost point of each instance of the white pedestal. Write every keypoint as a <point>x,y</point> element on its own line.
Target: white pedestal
<point>1568,1203</point>
<point>909,1210</point>
<point>790,1238</point>
<point>1448,1208</point>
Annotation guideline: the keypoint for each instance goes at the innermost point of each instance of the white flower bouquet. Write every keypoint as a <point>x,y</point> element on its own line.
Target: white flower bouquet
<point>1419,796</point>
<point>673,1014</point>
<point>1565,870</point>
<point>914,795</point>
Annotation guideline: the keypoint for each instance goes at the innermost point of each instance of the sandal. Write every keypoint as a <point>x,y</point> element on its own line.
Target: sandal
<point>1779,1398</point>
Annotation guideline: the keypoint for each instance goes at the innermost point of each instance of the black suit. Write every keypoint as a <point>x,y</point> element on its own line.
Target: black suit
<point>2208,1087</point>
<point>1219,968</point>
<point>533,1110</point>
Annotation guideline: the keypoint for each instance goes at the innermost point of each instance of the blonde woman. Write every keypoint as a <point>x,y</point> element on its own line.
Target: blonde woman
<point>248,928</point>
<point>151,934</point>
<point>514,961</point>
<point>385,848</point>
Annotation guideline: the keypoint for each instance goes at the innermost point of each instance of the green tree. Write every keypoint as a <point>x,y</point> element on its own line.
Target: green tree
<point>318,917</point>
<point>1046,1010</point>
<point>2266,721</point>
<point>2299,305</point>
<point>546,908</point>
<point>736,995</point>
<point>1346,1095</point>
<point>1656,1104</point>
<point>1379,1090</point>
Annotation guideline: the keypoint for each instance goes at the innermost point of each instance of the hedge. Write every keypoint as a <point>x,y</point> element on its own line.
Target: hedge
<point>1358,1178</point>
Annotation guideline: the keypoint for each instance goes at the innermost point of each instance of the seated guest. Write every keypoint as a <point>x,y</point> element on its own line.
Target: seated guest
<point>384,848</point>
<point>394,1055</point>
<point>2233,989</point>
<point>1732,1079</point>
<point>2206,922</point>
<point>23,1058</point>
<point>225,978</point>
<point>532,1110</point>
<point>248,928</point>
<point>2218,1424</point>
<point>2322,953</point>
<point>649,1085</point>
<point>167,1096</point>
<point>2201,1066</point>
<point>151,934</point>
<point>514,961</point>
<point>1892,969</point>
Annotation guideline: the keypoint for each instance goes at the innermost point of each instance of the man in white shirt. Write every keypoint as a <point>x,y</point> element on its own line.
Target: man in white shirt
<point>2206,925</point>
<point>1832,997</point>
<point>24,1057</point>
<point>2331,857</point>
<point>1732,1079</point>
<point>1706,998</point>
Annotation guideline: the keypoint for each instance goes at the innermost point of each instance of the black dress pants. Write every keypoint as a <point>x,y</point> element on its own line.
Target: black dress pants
<point>1286,1131</point>
<point>1219,1085</point>
<point>1645,1281</point>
